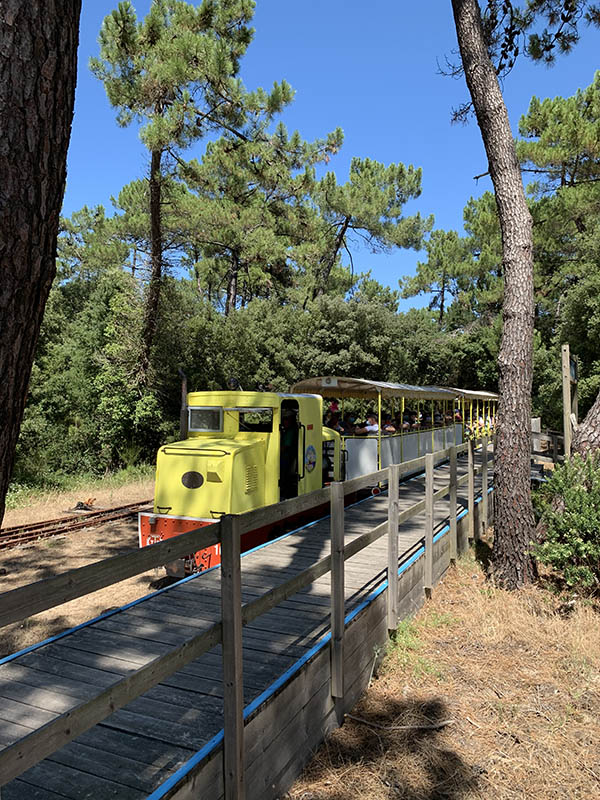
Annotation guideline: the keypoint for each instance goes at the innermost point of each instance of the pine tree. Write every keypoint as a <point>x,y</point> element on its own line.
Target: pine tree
<point>370,205</point>
<point>176,73</point>
<point>248,220</point>
<point>38,70</point>
<point>445,273</point>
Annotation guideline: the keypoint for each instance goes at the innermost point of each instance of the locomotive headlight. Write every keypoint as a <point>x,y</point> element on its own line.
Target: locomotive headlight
<point>192,480</point>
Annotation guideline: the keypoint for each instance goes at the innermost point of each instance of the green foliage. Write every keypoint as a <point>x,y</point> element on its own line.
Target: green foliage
<point>569,507</point>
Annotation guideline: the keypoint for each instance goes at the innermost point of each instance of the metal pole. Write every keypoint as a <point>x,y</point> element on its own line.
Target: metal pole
<point>432,429</point>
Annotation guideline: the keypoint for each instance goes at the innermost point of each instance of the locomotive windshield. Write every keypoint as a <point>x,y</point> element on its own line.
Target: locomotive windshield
<point>205,420</point>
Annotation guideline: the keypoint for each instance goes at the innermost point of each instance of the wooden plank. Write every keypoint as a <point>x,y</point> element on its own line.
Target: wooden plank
<point>471,490</point>
<point>257,518</point>
<point>50,592</point>
<point>365,481</point>
<point>429,499</point>
<point>131,773</point>
<point>231,610</point>
<point>17,790</point>
<point>337,589</point>
<point>452,502</point>
<point>51,663</point>
<point>19,757</point>
<point>484,484</point>
<point>284,590</point>
<point>24,714</point>
<point>392,550</point>
<point>146,750</point>
<point>77,784</point>
<point>204,780</point>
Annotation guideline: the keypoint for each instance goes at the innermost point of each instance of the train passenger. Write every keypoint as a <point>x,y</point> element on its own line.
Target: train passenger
<point>370,426</point>
<point>388,424</point>
<point>348,424</point>
<point>334,422</point>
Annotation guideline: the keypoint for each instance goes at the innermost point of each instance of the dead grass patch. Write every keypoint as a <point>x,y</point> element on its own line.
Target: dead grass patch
<point>518,679</point>
<point>53,504</point>
<point>48,557</point>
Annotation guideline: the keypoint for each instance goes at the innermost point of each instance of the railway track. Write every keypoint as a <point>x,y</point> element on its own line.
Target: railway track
<point>23,534</point>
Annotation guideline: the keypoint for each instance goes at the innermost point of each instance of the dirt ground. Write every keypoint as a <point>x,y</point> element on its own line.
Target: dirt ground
<point>484,694</point>
<point>33,562</point>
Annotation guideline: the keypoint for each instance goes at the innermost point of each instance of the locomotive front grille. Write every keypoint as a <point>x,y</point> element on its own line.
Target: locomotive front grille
<point>251,482</point>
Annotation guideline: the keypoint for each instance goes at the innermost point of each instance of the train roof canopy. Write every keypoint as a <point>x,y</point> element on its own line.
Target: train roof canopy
<point>334,386</point>
<point>337,386</point>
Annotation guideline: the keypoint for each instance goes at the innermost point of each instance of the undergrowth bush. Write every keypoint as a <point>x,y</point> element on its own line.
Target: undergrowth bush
<point>569,508</point>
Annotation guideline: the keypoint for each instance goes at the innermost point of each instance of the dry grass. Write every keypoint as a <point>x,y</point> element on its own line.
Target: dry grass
<point>48,557</point>
<point>54,503</point>
<point>519,681</point>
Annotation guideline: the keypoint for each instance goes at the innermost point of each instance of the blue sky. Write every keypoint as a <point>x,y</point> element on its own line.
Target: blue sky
<point>369,68</point>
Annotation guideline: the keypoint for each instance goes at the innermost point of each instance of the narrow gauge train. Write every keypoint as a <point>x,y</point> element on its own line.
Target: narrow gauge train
<point>243,450</point>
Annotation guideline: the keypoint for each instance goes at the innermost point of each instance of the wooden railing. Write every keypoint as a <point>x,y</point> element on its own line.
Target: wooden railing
<point>25,601</point>
<point>554,452</point>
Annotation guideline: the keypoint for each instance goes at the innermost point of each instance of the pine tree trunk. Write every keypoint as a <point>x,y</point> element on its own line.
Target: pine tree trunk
<point>329,261</point>
<point>514,525</point>
<point>38,71</point>
<point>151,308</point>
<point>587,436</point>
<point>232,286</point>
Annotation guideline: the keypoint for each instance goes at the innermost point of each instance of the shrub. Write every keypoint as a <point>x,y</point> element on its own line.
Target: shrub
<point>569,508</point>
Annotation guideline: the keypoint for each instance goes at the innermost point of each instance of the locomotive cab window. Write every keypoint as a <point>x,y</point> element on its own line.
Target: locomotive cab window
<point>205,420</point>
<point>259,420</point>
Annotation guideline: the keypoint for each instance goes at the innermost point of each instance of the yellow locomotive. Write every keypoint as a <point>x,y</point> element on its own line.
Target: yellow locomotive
<point>242,450</point>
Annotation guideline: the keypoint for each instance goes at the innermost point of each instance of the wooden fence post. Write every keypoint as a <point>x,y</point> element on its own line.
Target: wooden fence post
<point>484,484</point>
<point>233,684</point>
<point>392,569</point>
<point>428,579</point>
<point>337,589</point>
<point>471,490</point>
<point>452,501</point>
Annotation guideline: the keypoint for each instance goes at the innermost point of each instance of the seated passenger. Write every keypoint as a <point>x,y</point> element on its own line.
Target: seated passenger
<point>370,426</point>
<point>334,422</point>
<point>388,425</point>
<point>348,423</point>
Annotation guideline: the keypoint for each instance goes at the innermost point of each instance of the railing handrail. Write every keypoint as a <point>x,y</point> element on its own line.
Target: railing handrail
<point>24,753</point>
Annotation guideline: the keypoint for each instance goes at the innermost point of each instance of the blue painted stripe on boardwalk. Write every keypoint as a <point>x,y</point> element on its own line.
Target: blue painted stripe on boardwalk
<point>196,759</point>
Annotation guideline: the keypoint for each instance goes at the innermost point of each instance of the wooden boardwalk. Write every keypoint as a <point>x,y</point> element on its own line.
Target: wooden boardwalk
<point>136,749</point>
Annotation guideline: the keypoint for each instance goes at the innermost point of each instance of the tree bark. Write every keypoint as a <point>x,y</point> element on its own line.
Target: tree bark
<point>38,72</point>
<point>587,436</point>
<point>514,526</point>
<point>151,306</point>
<point>232,285</point>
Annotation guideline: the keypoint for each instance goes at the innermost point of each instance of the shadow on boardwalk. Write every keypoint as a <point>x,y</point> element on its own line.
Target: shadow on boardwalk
<point>412,763</point>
